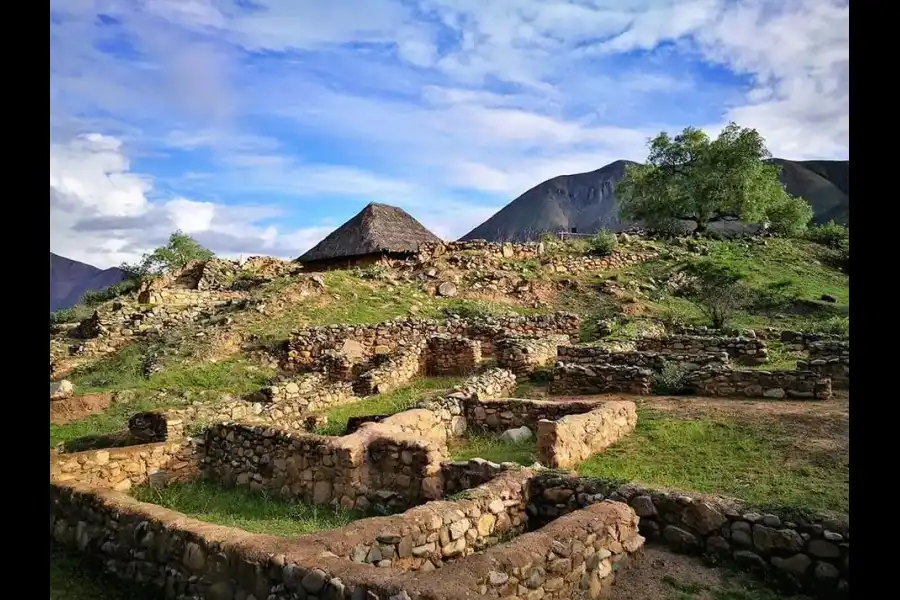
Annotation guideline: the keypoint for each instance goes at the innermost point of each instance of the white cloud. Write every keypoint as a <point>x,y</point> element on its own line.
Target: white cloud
<point>102,214</point>
<point>423,103</point>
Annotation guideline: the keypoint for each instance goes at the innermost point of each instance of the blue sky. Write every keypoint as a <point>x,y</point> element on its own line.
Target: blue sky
<point>258,126</point>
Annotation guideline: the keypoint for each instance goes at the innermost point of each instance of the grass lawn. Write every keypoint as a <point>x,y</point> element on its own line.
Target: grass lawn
<point>760,463</point>
<point>799,267</point>
<point>386,404</point>
<point>493,449</point>
<point>252,511</point>
<point>73,578</point>
<point>350,299</point>
<point>123,370</point>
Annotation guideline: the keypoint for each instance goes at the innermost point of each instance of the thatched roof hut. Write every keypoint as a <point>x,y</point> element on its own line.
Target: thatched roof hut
<point>378,229</point>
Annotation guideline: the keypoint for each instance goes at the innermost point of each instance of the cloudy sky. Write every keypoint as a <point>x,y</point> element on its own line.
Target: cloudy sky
<point>257,126</point>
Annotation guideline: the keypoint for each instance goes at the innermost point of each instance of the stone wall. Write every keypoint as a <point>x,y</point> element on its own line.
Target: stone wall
<point>493,383</point>
<point>829,348</point>
<point>596,355</point>
<point>749,383</point>
<point>500,414</point>
<point>304,349</point>
<point>523,355</point>
<point>600,379</point>
<point>379,464</point>
<point>801,340</point>
<point>836,368</point>
<point>435,533</point>
<point>399,369</point>
<point>497,249</point>
<point>452,355</point>
<point>807,552</point>
<point>582,264</point>
<point>287,405</point>
<point>744,350</point>
<point>568,441</point>
<point>122,468</point>
<point>188,558</point>
<point>463,475</point>
<point>573,557</point>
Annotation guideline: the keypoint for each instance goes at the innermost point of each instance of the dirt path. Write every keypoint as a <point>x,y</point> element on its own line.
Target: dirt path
<point>662,575</point>
<point>78,407</point>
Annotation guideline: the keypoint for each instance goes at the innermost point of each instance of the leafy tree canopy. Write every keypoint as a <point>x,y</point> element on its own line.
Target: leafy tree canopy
<point>175,255</point>
<point>694,178</point>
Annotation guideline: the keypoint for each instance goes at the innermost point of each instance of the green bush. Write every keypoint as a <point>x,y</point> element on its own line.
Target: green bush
<point>603,243</point>
<point>831,234</point>
<point>670,380</point>
<point>839,326</point>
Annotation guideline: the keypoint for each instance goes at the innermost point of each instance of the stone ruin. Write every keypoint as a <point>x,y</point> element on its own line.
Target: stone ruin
<point>469,519</point>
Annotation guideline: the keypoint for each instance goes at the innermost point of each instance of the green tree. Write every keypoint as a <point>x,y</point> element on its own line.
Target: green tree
<point>694,178</point>
<point>175,255</point>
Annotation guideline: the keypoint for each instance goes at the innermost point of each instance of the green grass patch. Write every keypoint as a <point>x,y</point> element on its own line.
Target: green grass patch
<point>736,587</point>
<point>351,300</point>
<point>800,269</point>
<point>760,464</point>
<point>113,420</point>
<point>124,370</point>
<point>256,512</point>
<point>493,449</point>
<point>385,404</point>
<point>73,577</point>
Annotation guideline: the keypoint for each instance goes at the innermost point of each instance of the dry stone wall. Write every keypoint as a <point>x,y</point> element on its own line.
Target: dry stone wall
<point>570,440</point>
<point>596,355</point>
<point>452,355</point>
<point>122,468</point>
<point>801,340</point>
<point>493,383</point>
<point>498,415</point>
<point>305,348</point>
<point>151,427</point>
<point>810,553</point>
<point>829,348</point>
<point>400,368</point>
<point>836,368</point>
<point>600,379</point>
<point>379,464</point>
<point>523,355</point>
<point>749,383</point>
<point>187,558</point>
<point>743,350</point>
<point>573,557</point>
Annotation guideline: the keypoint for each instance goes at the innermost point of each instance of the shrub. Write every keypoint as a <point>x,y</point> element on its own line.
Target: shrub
<point>831,234</point>
<point>839,326</point>
<point>716,289</point>
<point>603,243</point>
<point>670,380</point>
<point>176,254</point>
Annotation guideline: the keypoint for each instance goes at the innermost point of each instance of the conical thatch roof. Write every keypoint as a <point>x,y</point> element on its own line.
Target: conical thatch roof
<point>378,228</point>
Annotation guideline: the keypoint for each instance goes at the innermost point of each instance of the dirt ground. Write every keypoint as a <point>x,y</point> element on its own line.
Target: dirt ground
<point>817,426</point>
<point>77,407</point>
<point>662,575</point>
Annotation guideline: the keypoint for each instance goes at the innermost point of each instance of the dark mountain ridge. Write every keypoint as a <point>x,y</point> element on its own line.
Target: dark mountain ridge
<point>586,202</point>
<point>70,279</point>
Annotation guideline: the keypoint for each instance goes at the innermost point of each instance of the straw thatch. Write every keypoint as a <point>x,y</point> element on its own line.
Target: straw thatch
<point>376,229</point>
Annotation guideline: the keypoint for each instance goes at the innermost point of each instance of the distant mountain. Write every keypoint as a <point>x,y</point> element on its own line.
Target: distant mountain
<point>70,279</point>
<point>586,201</point>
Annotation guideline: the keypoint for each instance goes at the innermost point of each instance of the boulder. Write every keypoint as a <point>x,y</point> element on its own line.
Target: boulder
<point>519,434</point>
<point>61,389</point>
<point>447,289</point>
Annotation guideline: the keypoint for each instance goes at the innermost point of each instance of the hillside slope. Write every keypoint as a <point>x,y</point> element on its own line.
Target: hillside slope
<point>70,279</point>
<point>586,201</point>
